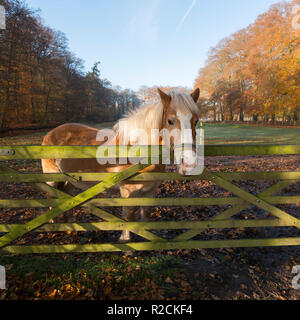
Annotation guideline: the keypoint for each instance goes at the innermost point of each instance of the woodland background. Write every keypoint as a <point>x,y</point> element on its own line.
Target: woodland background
<point>252,75</point>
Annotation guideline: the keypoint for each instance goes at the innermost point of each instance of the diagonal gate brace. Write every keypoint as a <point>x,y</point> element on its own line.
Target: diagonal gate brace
<point>68,204</point>
<point>295,222</point>
<point>93,209</point>
<point>254,200</point>
<point>100,213</point>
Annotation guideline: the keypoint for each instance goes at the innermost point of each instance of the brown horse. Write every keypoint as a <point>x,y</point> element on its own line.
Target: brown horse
<point>175,112</point>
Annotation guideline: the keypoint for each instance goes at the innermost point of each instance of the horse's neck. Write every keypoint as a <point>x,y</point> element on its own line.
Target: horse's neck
<point>117,140</point>
<point>137,127</point>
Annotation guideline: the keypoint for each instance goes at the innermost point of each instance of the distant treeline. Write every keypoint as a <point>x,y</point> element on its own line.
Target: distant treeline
<point>43,84</point>
<point>254,74</point>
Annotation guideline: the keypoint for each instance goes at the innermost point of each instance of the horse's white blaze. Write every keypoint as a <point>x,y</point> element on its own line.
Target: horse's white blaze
<point>188,155</point>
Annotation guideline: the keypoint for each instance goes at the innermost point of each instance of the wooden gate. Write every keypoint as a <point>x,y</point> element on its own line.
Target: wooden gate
<point>62,202</point>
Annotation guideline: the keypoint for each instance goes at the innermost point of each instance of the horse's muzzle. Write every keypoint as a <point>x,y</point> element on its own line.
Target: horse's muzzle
<point>186,160</point>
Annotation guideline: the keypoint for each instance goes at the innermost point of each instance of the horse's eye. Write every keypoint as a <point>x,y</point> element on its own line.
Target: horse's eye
<point>171,122</point>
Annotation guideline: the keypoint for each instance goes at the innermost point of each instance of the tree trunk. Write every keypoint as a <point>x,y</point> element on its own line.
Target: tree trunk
<point>7,96</point>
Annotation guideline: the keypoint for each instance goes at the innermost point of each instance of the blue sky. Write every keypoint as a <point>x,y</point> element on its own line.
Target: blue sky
<point>147,42</point>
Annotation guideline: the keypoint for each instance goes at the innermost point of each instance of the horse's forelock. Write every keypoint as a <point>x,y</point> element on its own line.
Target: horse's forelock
<point>183,102</point>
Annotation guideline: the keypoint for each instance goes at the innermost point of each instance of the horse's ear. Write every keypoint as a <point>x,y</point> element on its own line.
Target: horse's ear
<point>196,94</point>
<point>165,98</point>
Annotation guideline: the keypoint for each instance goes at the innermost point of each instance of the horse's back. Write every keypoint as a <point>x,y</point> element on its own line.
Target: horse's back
<point>71,134</point>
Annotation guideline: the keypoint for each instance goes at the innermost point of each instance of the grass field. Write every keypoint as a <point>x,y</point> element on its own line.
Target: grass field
<point>214,134</point>
<point>248,134</point>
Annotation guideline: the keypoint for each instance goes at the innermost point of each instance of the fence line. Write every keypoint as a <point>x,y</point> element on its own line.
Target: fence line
<point>62,202</point>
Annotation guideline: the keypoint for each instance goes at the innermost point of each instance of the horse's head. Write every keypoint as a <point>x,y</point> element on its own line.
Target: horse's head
<point>180,118</point>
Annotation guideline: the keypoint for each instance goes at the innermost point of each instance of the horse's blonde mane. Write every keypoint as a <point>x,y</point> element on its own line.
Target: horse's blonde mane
<point>148,116</point>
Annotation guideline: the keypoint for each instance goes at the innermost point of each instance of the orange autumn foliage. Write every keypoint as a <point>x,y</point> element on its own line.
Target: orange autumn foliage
<point>255,73</point>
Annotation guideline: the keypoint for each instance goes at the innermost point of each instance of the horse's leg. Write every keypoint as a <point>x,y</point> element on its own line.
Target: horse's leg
<point>145,190</point>
<point>128,213</point>
<point>145,212</point>
<point>50,166</point>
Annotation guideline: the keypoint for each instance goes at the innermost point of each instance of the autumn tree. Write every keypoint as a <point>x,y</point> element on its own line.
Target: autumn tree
<point>42,83</point>
<point>254,73</point>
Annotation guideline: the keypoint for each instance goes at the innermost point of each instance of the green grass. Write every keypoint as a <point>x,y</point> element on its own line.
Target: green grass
<point>103,276</point>
<point>214,134</point>
<point>248,134</point>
